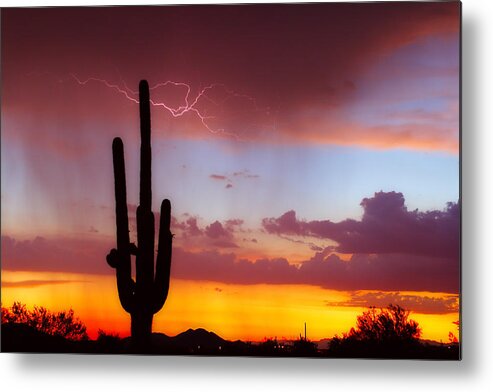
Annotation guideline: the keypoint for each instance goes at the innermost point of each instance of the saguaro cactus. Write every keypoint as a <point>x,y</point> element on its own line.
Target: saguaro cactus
<point>146,295</point>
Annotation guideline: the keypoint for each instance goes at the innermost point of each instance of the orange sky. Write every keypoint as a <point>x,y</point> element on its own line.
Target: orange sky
<point>246,312</point>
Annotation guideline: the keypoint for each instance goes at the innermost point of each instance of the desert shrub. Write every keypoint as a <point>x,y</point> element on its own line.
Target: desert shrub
<point>63,323</point>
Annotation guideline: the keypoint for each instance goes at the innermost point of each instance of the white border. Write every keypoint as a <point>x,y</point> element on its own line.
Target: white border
<point>473,373</point>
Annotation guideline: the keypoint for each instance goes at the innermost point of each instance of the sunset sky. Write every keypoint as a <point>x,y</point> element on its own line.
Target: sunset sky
<point>310,153</point>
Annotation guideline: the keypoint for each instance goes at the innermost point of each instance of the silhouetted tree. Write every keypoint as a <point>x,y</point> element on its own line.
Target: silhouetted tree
<point>146,295</point>
<point>451,336</point>
<point>63,323</point>
<point>379,333</point>
<point>390,324</point>
<point>5,314</point>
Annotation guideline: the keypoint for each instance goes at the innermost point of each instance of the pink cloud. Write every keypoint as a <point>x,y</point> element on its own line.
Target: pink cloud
<point>190,228</point>
<point>387,272</point>
<point>63,254</point>
<point>216,230</point>
<point>390,272</point>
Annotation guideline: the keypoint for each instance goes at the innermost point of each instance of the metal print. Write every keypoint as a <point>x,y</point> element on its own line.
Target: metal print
<point>239,180</point>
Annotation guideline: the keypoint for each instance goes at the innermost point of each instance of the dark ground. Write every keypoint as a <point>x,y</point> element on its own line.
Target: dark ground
<point>24,339</point>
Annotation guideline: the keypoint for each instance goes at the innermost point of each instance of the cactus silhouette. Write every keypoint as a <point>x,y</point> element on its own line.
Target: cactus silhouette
<point>146,295</point>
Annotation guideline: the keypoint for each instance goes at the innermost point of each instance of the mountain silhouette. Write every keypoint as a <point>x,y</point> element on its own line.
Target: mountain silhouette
<point>191,341</point>
<point>199,338</point>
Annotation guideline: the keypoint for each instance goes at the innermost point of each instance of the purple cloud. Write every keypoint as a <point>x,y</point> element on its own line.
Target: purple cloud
<point>190,228</point>
<point>387,272</point>
<point>222,235</point>
<point>387,227</point>
<point>64,255</point>
<point>225,267</point>
<point>420,304</point>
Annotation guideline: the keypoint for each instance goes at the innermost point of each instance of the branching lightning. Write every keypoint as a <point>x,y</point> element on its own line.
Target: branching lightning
<point>190,104</point>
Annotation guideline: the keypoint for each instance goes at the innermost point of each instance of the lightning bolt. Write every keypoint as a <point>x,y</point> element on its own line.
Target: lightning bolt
<point>189,105</point>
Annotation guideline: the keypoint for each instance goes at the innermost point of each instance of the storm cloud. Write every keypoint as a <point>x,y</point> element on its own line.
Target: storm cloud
<point>386,227</point>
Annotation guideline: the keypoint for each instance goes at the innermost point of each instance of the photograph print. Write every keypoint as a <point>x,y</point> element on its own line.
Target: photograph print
<point>264,180</point>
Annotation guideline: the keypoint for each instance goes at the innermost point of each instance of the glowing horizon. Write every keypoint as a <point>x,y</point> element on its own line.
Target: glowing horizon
<point>222,308</point>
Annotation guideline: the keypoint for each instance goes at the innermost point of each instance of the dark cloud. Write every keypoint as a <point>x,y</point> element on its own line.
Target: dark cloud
<point>222,235</point>
<point>289,57</point>
<point>216,234</point>
<point>362,272</point>
<point>396,272</point>
<point>386,272</point>
<point>323,40</point>
<point>387,226</point>
<point>311,245</point>
<point>287,223</point>
<point>420,304</point>
<point>225,267</point>
<point>190,228</point>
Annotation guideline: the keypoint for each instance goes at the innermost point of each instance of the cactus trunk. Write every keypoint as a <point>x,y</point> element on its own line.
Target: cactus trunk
<point>141,329</point>
<point>146,295</point>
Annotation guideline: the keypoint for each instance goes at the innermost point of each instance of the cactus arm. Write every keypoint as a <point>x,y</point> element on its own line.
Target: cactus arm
<point>122,236</point>
<point>120,258</point>
<point>163,260</point>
